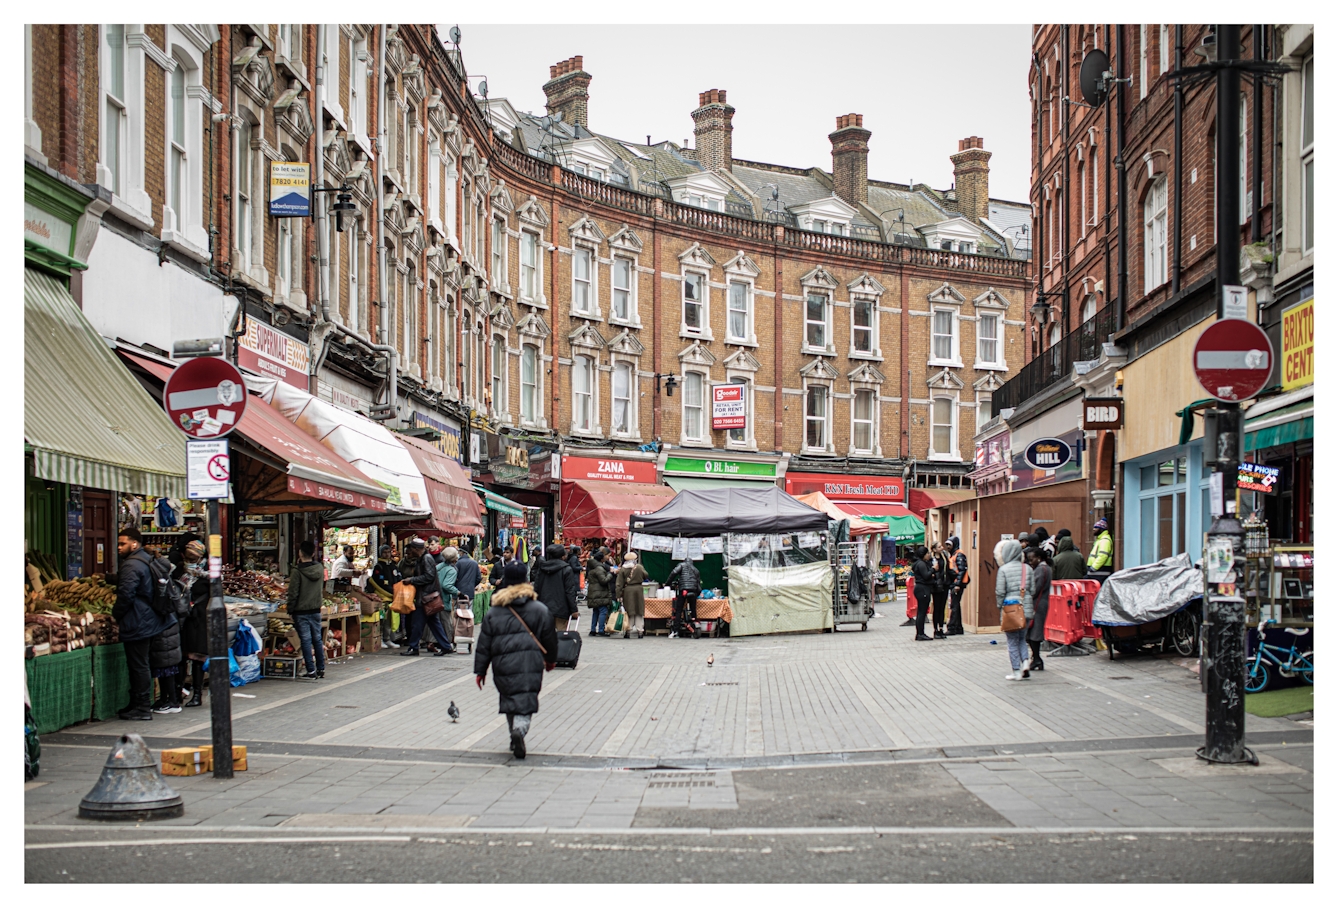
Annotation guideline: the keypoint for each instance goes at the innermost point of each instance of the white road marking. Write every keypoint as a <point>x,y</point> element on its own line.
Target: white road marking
<point>260,840</point>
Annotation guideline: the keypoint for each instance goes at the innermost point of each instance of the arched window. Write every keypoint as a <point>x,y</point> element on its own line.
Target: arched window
<point>1154,236</point>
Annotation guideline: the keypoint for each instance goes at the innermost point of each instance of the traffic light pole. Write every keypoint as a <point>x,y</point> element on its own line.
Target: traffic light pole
<point>1223,662</point>
<point>220,685</point>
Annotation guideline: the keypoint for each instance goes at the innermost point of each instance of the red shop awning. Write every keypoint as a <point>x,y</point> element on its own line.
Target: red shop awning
<point>924,499</point>
<point>591,508</point>
<point>284,468</point>
<point>451,496</point>
<point>874,508</point>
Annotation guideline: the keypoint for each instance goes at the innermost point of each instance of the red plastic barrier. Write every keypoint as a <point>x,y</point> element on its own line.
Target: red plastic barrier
<point>1087,590</point>
<point>1063,623</point>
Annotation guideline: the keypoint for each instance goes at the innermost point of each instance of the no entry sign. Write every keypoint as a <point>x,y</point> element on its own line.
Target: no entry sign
<point>1233,359</point>
<point>205,397</point>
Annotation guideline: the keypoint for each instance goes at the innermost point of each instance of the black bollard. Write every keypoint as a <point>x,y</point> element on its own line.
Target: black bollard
<point>220,687</point>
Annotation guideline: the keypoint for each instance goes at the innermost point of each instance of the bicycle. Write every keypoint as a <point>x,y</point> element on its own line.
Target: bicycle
<point>1288,662</point>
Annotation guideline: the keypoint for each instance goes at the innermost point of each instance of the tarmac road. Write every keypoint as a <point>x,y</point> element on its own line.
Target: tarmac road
<point>916,856</point>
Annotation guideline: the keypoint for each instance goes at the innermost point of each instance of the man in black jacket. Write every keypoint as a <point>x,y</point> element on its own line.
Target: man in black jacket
<point>467,575</point>
<point>959,580</point>
<point>385,575</point>
<point>137,623</point>
<point>555,585</point>
<point>420,572</point>
<point>687,583</point>
<point>518,641</point>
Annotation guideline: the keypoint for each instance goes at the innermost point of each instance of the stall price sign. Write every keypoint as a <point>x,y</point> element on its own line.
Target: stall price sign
<point>1233,359</point>
<point>1256,477</point>
<point>205,397</point>
<point>728,408</point>
<point>208,469</point>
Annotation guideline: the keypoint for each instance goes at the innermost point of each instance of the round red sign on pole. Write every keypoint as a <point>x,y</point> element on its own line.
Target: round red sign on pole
<point>205,397</point>
<point>1233,359</point>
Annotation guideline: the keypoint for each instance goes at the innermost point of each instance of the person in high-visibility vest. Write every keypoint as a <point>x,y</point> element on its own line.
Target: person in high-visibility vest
<point>1102,558</point>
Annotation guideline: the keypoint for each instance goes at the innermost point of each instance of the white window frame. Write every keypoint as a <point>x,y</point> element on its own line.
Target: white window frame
<point>1164,49</point>
<point>480,361</point>
<point>584,364</point>
<point>739,289</point>
<point>244,181</point>
<point>703,330</point>
<point>1306,240</point>
<point>828,346</point>
<point>183,228</point>
<point>501,399</point>
<point>1154,236</point>
<point>1142,62</point>
<point>984,408</point>
<point>983,361</point>
<point>629,367</point>
<point>748,441</point>
<point>629,316</point>
<point>129,197</point>
<point>951,399</point>
<point>531,289</point>
<point>874,352</point>
<point>954,339</point>
<point>872,450</point>
<point>355,271</point>
<point>534,386</point>
<point>412,329</point>
<point>328,50</point>
<point>467,357</point>
<point>590,307</point>
<point>824,421</point>
<point>1082,195</point>
<point>497,270</point>
<point>448,333</point>
<point>1245,197</point>
<point>434,187</point>
<point>283,260</point>
<point>703,434</point>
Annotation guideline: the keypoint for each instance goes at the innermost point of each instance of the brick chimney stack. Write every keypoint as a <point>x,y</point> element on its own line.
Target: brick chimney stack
<point>850,159</point>
<point>713,129</point>
<point>568,91</point>
<point>971,171</point>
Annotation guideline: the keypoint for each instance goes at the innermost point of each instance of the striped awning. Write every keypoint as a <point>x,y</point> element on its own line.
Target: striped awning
<point>494,502</point>
<point>87,420</point>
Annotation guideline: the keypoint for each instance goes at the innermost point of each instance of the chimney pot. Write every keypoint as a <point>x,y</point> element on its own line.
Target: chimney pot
<point>850,159</point>
<point>568,91</point>
<point>713,128</point>
<point>971,172</point>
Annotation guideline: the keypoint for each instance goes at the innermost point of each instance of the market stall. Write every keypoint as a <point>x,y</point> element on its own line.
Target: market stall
<point>775,549</point>
<point>854,559</point>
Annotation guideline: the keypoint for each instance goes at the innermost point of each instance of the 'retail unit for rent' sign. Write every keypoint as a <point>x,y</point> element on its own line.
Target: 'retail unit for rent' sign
<point>729,410</point>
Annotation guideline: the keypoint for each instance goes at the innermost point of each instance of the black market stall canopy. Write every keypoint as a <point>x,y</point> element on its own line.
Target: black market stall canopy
<point>86,419</point>
<point>283,469</point>
<point>713,512</point>
<point>594,508</point>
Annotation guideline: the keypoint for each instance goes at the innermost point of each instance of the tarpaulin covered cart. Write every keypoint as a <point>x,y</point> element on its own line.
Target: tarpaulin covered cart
<point>1151,603</point>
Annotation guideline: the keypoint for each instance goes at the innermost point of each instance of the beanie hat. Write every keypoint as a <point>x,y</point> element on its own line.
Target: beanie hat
<point>195,550</point>
<point>1100,524</point>
<point>514,572</point>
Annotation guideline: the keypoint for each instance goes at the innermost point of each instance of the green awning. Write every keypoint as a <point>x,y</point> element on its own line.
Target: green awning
<point>494,502</point>
<point>699,483</point>
<point>88,421</point>
<point>904,530</point>
<point>1280,427</point>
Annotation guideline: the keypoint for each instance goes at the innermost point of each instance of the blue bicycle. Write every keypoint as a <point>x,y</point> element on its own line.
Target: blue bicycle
<point>1287,663</point>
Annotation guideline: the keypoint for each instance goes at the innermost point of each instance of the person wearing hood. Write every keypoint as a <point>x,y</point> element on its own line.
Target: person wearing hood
<point>574,560</point>
<point>1046,543</point>
<point>1010,586</point>
<point>306,588</point>
<point>555,585</point>
<point>686,582</point>
<point>518,642</point>
<point>598,590</point>
<point>420,572</point>
<point>1038,585</point>
<point>960,578</point>
<point>923,572</point>
<point>193,574</point>
<point>1068,560</point>
<point>632,595</point>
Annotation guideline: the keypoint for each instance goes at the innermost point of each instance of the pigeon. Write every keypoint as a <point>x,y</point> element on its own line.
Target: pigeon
<point>453,712</point>
<point>710,660</point>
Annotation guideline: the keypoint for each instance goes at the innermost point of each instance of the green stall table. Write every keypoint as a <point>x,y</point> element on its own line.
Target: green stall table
<point>61,688</point>
<point>482,602</point>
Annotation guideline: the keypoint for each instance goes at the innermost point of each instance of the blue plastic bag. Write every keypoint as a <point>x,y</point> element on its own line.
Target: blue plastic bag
<point>246,642</point>
<point>248,670</point>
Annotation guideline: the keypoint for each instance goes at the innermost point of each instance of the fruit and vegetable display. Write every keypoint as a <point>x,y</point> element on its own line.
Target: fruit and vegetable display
<point>61,615</point>
<point>258,585</point>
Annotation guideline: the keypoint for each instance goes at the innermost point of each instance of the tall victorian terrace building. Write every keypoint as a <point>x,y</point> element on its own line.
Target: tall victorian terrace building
<point>548,304</point>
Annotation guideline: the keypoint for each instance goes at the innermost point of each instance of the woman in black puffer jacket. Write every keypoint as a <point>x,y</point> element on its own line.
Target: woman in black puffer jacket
<point>598,590</point>
<point>165,663</point>
<point>518,641</point>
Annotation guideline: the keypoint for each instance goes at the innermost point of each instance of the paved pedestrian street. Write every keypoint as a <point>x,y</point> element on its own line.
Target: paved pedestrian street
<point>852,733</point>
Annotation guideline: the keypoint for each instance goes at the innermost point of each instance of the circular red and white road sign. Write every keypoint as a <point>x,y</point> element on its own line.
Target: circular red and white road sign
<point>205,397</point>
<point>1233,359</point>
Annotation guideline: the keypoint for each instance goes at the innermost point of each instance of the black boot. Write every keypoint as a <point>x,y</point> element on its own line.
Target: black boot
<point>196,684</point>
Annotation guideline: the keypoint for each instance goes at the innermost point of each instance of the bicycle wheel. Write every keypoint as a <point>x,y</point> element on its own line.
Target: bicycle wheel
<point>1308,672</point>
<point>1184,633</point>
<point>1257,677</point>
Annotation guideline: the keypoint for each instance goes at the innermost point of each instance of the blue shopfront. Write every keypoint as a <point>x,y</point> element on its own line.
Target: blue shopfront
<point>1165,504</point>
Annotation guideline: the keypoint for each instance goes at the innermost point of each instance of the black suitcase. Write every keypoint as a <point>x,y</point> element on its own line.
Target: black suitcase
<point>569,646</point>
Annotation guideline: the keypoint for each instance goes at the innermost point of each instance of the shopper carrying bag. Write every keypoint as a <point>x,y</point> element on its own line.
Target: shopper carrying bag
<point>1010,590</point>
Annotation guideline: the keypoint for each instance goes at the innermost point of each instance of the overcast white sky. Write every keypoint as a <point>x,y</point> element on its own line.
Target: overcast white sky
<point>919,87</point>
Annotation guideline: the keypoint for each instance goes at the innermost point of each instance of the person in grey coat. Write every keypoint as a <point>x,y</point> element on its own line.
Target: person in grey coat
<point>518,642</point>
<point>1010,585</point>
<point>1038,584</point>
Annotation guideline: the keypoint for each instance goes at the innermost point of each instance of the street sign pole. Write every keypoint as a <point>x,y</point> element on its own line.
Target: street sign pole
<point>1223,654</point>
<point>220,685</point>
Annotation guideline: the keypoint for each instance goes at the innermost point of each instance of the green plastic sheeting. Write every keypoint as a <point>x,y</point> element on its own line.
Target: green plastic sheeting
<point>61,688</point>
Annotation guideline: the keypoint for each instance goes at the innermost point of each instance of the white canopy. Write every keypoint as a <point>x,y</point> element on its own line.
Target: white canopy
<point>368,445</point>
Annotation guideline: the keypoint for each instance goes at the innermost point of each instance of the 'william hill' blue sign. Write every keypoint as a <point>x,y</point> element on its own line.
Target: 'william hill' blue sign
<point>1047,454</point>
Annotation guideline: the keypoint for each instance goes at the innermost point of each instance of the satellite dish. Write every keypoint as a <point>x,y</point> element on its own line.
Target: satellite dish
<point>455,34</point>
<point>1091,77</point>
<point>483,88</point>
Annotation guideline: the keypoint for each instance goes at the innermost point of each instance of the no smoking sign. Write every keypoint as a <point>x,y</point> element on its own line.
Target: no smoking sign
<point>208,469</point>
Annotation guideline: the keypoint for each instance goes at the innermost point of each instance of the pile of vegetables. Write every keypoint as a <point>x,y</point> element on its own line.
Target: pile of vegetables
<point>85,594</point>
<point>254,585</point>
<point>57,632</point>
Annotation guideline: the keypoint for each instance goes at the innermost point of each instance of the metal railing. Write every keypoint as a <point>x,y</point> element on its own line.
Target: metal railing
<point>1055,363</point>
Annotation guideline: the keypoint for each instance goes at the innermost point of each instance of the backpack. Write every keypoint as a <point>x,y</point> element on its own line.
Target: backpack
<point>168,596</point>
